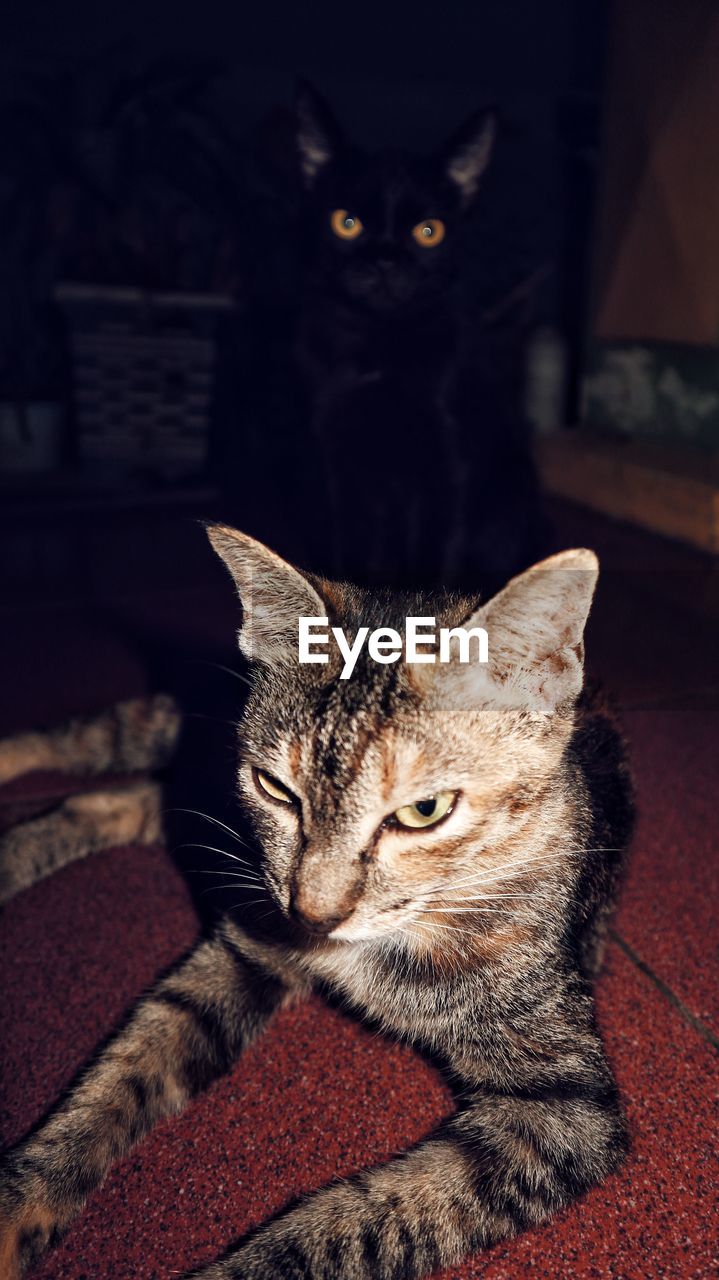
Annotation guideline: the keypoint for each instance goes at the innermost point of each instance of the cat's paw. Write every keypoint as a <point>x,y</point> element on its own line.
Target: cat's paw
<point>27,1229</point>
<point>23,754</point>
<point>123,815</point>
<point>24,1238</point>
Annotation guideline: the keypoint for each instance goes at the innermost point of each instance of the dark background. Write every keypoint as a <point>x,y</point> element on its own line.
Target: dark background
<point>397,75</point>
<point>399,72</point>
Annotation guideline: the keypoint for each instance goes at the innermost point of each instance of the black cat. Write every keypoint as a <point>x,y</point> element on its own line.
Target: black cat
<point>397,454</point>
<point>425,461</point>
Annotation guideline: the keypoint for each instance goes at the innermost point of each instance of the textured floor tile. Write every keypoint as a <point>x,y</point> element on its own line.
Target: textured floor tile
<point>75,951</point>
<point>669,906</point>
<point>318,1096</point>
<point>657,1216</point>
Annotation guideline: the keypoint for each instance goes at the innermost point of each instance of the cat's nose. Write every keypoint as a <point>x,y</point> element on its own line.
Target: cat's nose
<point>315,923</point>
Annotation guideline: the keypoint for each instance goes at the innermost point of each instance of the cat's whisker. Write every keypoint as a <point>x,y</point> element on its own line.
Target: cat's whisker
<point>208,818</point>
<point>237,875</point>
<point>229,670</point>
<point>200,715</point>
<point>487,873</point>
<point>211,848</point>
<point>539,896</point>
<point>439,909</point>
<point>516,867</point>
<point>507,871</point>
<point>456,899</point>
<point>253,903</point>
<point>477,897</point>
<point>266,914</point>
<point>214,888</point>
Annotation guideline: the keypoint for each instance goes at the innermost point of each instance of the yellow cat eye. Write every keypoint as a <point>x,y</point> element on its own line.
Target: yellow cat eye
<point>345,225</point>
<point>426,813</point>
<point>272,787</point>
<point>429,233</point>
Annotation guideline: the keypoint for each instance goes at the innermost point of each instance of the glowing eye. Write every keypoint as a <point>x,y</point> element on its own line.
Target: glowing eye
<point>430,233</point>
<point>345,225</point>
<point>272,788</point>
<point>425,813</point>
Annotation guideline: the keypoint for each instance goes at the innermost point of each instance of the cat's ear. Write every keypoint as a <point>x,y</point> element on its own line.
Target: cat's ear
<point>535,633</point>
<point>318,134</point>
<point>468,153</point>
<point>273,594</point>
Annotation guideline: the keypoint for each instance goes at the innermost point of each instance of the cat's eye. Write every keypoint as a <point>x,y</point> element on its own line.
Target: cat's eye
<point>346,225</point>
<point>272,788</point>
<point>429,233</point>
<point>427,812</point>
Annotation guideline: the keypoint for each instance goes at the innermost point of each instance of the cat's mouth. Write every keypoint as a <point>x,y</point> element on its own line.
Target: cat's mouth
<point>382,289</point>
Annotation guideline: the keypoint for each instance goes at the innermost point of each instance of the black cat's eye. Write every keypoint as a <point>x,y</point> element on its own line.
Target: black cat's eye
<point>345,224</point>
<point>270,786</point>
<point>429,233</point>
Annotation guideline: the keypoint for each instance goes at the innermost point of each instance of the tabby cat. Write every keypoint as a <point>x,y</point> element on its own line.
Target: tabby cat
<point>440,843</point>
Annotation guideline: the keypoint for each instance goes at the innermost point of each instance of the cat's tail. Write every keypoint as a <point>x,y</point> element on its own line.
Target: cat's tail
<point>128,737</point>
<point>131,737</point>
<point>81,825</point>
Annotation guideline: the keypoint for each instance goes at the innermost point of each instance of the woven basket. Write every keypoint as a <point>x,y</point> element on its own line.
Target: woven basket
<point>143,367</point>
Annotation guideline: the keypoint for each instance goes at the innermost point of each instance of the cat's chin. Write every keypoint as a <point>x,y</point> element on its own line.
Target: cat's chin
<point>351,932</point>
<point>380,304</point>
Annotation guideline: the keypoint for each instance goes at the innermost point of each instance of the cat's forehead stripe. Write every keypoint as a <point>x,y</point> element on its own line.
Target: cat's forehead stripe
<point>395,190</point>
<point>350,717</point>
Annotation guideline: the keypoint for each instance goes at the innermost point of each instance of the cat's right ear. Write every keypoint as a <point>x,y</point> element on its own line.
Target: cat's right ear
<point>318,133</point>
<point>273,593</point>
<point>468,153</point>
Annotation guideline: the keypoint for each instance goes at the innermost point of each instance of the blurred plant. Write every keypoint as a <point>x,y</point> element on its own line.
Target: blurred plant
<point>171,176</point>
<point>114,176</point>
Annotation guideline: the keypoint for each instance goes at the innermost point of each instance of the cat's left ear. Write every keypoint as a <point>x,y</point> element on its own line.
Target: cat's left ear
<point>468,153</point>
<point>274,595</point>
<point>535,636</point>
<point>319,136</point>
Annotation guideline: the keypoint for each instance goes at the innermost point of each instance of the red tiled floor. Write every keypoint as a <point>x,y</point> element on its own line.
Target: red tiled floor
<point>320,1096</point>
<point>75,951</point>
<point>657,1216</point>
<point>669,911</point>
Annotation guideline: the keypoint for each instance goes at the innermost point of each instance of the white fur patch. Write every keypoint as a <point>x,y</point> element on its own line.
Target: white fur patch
<point>468,164</point>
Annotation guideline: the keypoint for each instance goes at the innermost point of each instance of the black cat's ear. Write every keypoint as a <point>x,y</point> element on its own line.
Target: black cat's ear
<point>468,153</point>
<point>318,134</point>
<point>274,595</point>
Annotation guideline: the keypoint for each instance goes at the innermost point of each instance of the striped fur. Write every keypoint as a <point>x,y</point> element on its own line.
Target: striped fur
<point>74,829</point>
<point>128,737</point>
<point>476,940</point>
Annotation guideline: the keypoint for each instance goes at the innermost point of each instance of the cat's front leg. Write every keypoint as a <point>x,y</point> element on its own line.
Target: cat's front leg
<point>182,1035</point>
<point>504,1163</point>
